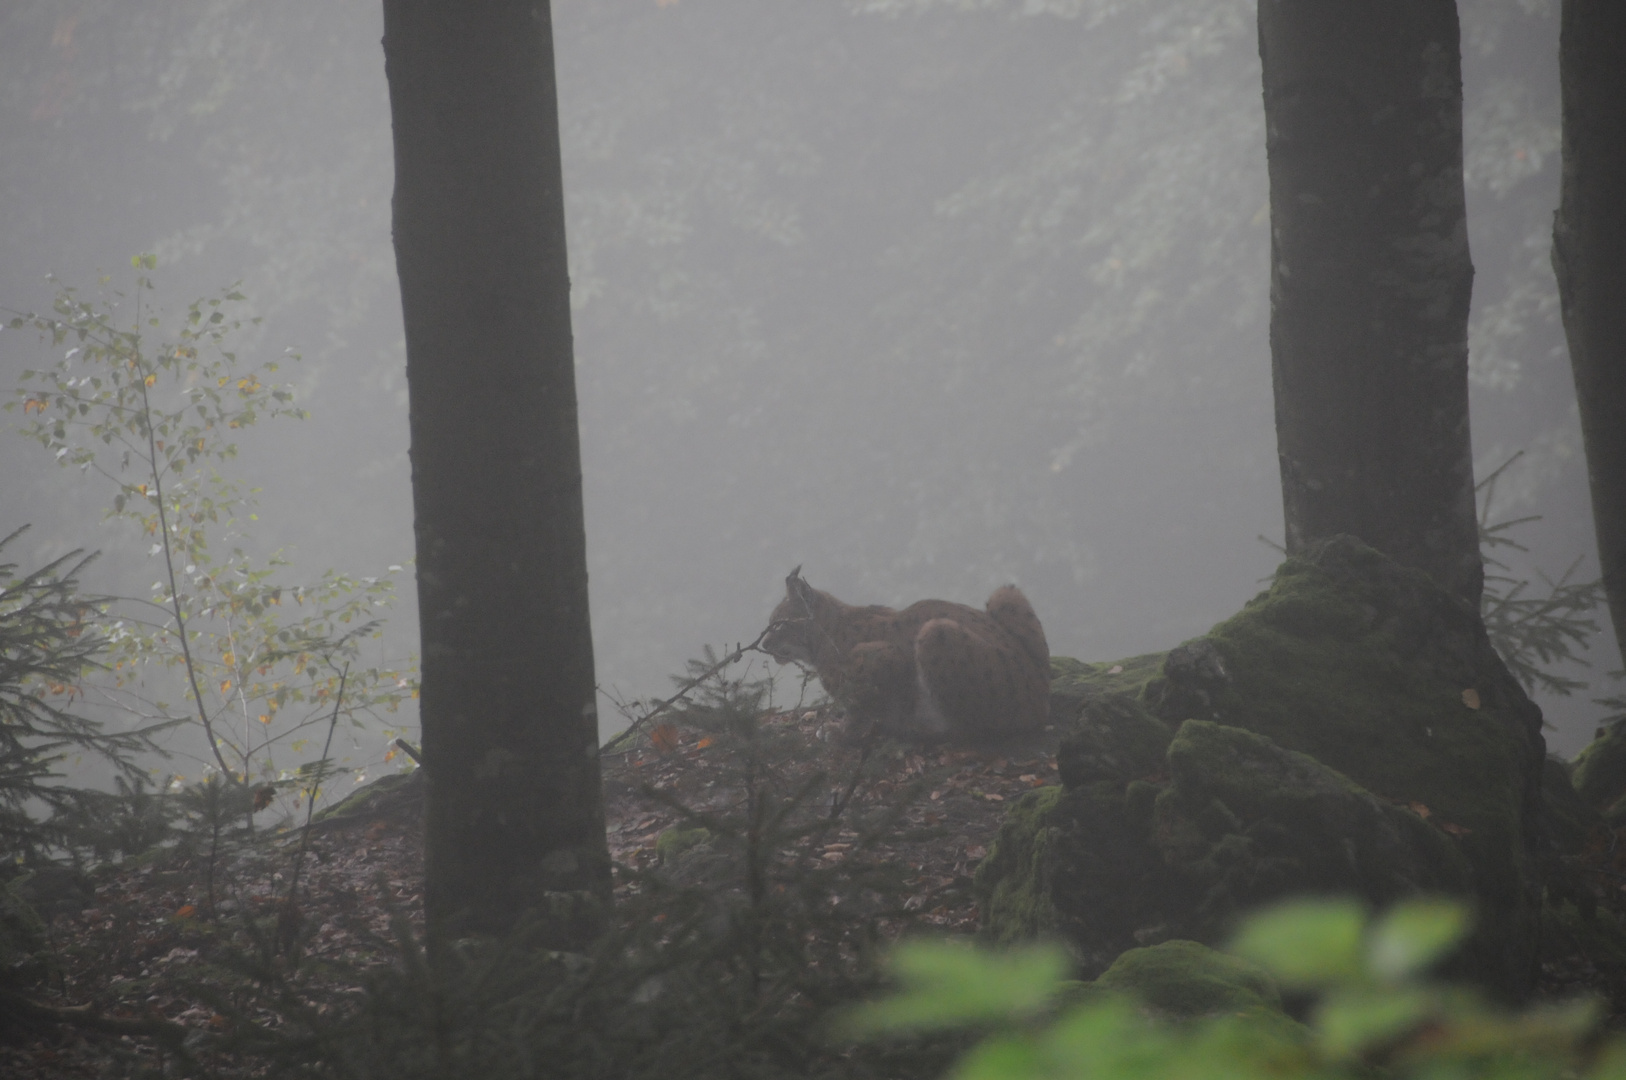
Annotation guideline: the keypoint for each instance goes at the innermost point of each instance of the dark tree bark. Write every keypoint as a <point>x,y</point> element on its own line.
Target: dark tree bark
<point>1370,279</point>
<point>1589,254</point>
<point>510,734</point>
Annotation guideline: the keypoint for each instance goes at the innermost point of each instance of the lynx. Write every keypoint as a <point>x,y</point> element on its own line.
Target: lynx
<point>933,671</point>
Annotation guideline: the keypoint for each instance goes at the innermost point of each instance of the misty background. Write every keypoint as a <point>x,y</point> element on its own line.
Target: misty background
<point>923,295</point>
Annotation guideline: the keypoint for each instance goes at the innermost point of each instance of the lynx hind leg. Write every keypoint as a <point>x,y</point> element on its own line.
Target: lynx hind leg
<point>978,687</point>
<point>876,684</point>
<point>1010,609</point>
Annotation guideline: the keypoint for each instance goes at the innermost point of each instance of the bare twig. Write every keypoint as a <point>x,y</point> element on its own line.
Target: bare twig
<point>684,691</point>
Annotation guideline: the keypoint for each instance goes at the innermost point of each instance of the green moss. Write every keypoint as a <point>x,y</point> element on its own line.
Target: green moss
<point>1351,728</point>
<point>1012,882</point>
<point>1366,666</point>
<point>360,800</point>
<point>1071,681</point>
<point>675,841</point>
<point>1186,979</point>
<point>1250,822</point>
<point>1600,768</point>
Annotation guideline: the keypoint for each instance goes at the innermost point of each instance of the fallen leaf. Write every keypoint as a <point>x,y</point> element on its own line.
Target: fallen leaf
<point>1115,669</point>
<point>991,797</point>
<point>1419,809</point>
<point>1470,698</point>
<point>1455,830</point>
<point>664,738</point>
<point>703,743</point>
<point>186,911</point>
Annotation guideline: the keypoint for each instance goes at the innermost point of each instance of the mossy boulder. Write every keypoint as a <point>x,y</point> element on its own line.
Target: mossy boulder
<point>1599,774</point>
<point>1350,729</point>
<point>1185,980</point>
<point>393,795</point>
<point>1568,820</point>
<point>1246,821</point>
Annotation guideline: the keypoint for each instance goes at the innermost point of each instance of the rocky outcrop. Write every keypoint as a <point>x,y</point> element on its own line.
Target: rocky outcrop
<point>1350,730</point>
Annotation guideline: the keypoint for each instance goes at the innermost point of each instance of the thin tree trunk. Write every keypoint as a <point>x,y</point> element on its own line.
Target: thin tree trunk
<point>1589,255</point>
<point>510,734</point>
<point>1371,278</point>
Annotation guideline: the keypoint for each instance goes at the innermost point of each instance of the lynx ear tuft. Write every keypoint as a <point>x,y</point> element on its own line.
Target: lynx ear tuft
<point>797,587</point>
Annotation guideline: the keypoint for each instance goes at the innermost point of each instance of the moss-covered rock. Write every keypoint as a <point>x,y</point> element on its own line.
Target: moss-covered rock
<point>1397,754</point>
<point>674,842</point>
<point>1567,819</point>
<point>393,795</point>
<point>1599,774</point>
<point>1186,979</point>
<point>1014,879</point>
<point>1246,821</point>
<point>1077,862</point>
<point>1074,681</point>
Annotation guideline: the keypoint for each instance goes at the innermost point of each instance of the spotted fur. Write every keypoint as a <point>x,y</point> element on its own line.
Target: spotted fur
<point>935,670</point>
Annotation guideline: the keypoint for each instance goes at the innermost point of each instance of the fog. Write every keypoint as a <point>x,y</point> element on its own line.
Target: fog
<point>922,295</point>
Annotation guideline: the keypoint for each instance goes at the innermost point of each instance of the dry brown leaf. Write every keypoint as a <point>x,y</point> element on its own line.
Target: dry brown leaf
<point>1470,698</point>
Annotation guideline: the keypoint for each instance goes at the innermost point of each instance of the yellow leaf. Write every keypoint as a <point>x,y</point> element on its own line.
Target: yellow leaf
<point>1470,698</point>
<point>264,719</point>
<point>152,380</point>
<point>228,658</point>
<point>225,685</point>
<point>389,756</point>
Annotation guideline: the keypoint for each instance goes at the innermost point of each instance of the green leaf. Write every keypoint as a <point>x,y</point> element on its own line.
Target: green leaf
<point>1355,1020</point>
<point>950,986</point>
<point>1306,943</point>
<point>1413,936</point>
<point>1002,1059</point>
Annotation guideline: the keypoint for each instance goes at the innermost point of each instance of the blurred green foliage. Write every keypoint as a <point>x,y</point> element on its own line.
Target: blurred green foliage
<point>1370,1010</point>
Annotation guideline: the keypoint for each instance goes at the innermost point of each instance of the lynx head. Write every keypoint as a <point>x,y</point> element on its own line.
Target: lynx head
<point>791,633</point>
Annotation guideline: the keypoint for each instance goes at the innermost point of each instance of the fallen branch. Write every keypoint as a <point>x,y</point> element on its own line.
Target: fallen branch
<point>86,1017</point>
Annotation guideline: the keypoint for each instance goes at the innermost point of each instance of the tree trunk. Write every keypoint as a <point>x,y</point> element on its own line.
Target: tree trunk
<point>510,733</point>
<point>1370,279</point>
<point>1589,255</point>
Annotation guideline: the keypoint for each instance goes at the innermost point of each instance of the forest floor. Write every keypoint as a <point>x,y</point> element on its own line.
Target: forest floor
<point>138,962</point>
